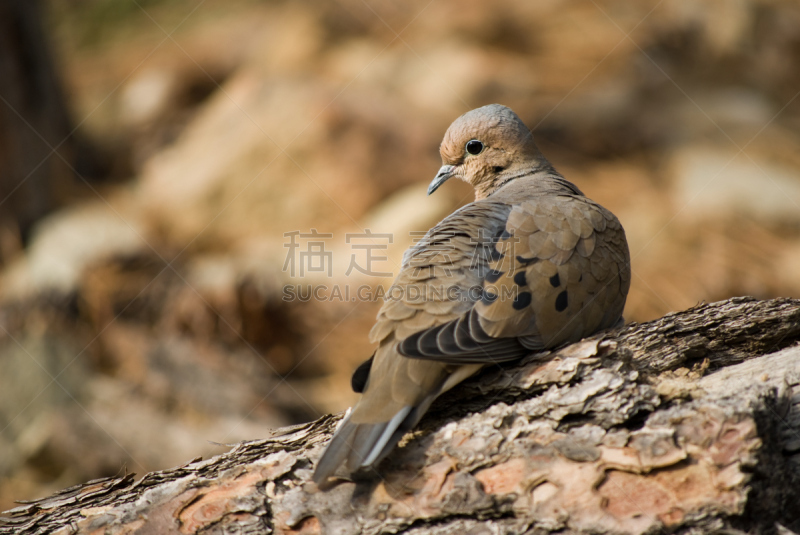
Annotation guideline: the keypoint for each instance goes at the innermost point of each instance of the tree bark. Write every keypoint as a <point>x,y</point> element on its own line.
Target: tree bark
<point>687,424</point>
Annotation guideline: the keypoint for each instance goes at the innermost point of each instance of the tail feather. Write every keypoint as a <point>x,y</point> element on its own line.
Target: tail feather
<point>362,445</point>
<point>364,438</point>
<point>379,445</point>
<point>337,451</point>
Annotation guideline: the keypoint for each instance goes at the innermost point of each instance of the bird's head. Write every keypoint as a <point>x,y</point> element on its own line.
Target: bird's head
<point>487,147</point>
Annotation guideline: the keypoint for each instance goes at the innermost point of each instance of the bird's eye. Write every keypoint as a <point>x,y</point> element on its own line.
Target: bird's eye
<point>474,147</point>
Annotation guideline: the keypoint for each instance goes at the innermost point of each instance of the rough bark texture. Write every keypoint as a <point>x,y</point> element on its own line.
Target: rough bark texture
<point>688,424</point>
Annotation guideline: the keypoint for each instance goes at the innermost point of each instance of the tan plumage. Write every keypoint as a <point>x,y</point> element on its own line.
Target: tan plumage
<point>530,265</point>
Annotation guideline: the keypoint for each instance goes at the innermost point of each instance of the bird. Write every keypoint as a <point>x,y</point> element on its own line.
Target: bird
<point>530,265</point>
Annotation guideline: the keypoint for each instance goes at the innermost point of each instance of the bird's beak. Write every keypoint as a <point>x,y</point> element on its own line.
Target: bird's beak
<point>445,172</point>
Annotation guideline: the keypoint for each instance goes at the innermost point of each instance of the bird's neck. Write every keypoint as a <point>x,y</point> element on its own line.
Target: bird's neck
<point>539,172</point>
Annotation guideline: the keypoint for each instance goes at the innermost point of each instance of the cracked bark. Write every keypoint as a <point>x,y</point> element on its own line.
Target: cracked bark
<point>687,424</point>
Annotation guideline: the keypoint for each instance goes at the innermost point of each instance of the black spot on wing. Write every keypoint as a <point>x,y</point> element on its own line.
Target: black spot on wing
<point>359,380</point>
<point>527,261</point>
<point>493,275</point>
<point>519,278</point>
<point>522,300</point>
<point>496,255</point>
<point>562,301</point>
<point>555,282</point>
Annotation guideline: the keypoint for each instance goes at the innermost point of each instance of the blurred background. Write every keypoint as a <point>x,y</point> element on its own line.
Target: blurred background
<point>168,168</point>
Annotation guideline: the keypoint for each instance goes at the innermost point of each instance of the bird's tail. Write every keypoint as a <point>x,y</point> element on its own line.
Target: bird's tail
<point>361,445</point>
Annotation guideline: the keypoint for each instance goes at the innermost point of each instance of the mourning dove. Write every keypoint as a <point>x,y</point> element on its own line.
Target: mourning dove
<point>530,265</point>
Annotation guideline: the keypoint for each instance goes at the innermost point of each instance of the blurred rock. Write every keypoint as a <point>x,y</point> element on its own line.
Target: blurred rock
<point>231,176</point>
<point>147,95</point>
<point>39,373</point>
<point>735,107</point>
<point>712,182</point>
<point>64,244</point>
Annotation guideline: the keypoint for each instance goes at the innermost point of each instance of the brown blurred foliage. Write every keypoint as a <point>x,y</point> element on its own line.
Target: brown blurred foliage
<point>150,318</point>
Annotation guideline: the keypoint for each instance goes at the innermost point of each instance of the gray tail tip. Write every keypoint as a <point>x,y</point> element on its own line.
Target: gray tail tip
<point>358,446</point>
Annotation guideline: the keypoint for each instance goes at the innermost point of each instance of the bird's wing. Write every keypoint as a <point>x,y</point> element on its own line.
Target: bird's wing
<point>442,280</point>
<point>558,271</point>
